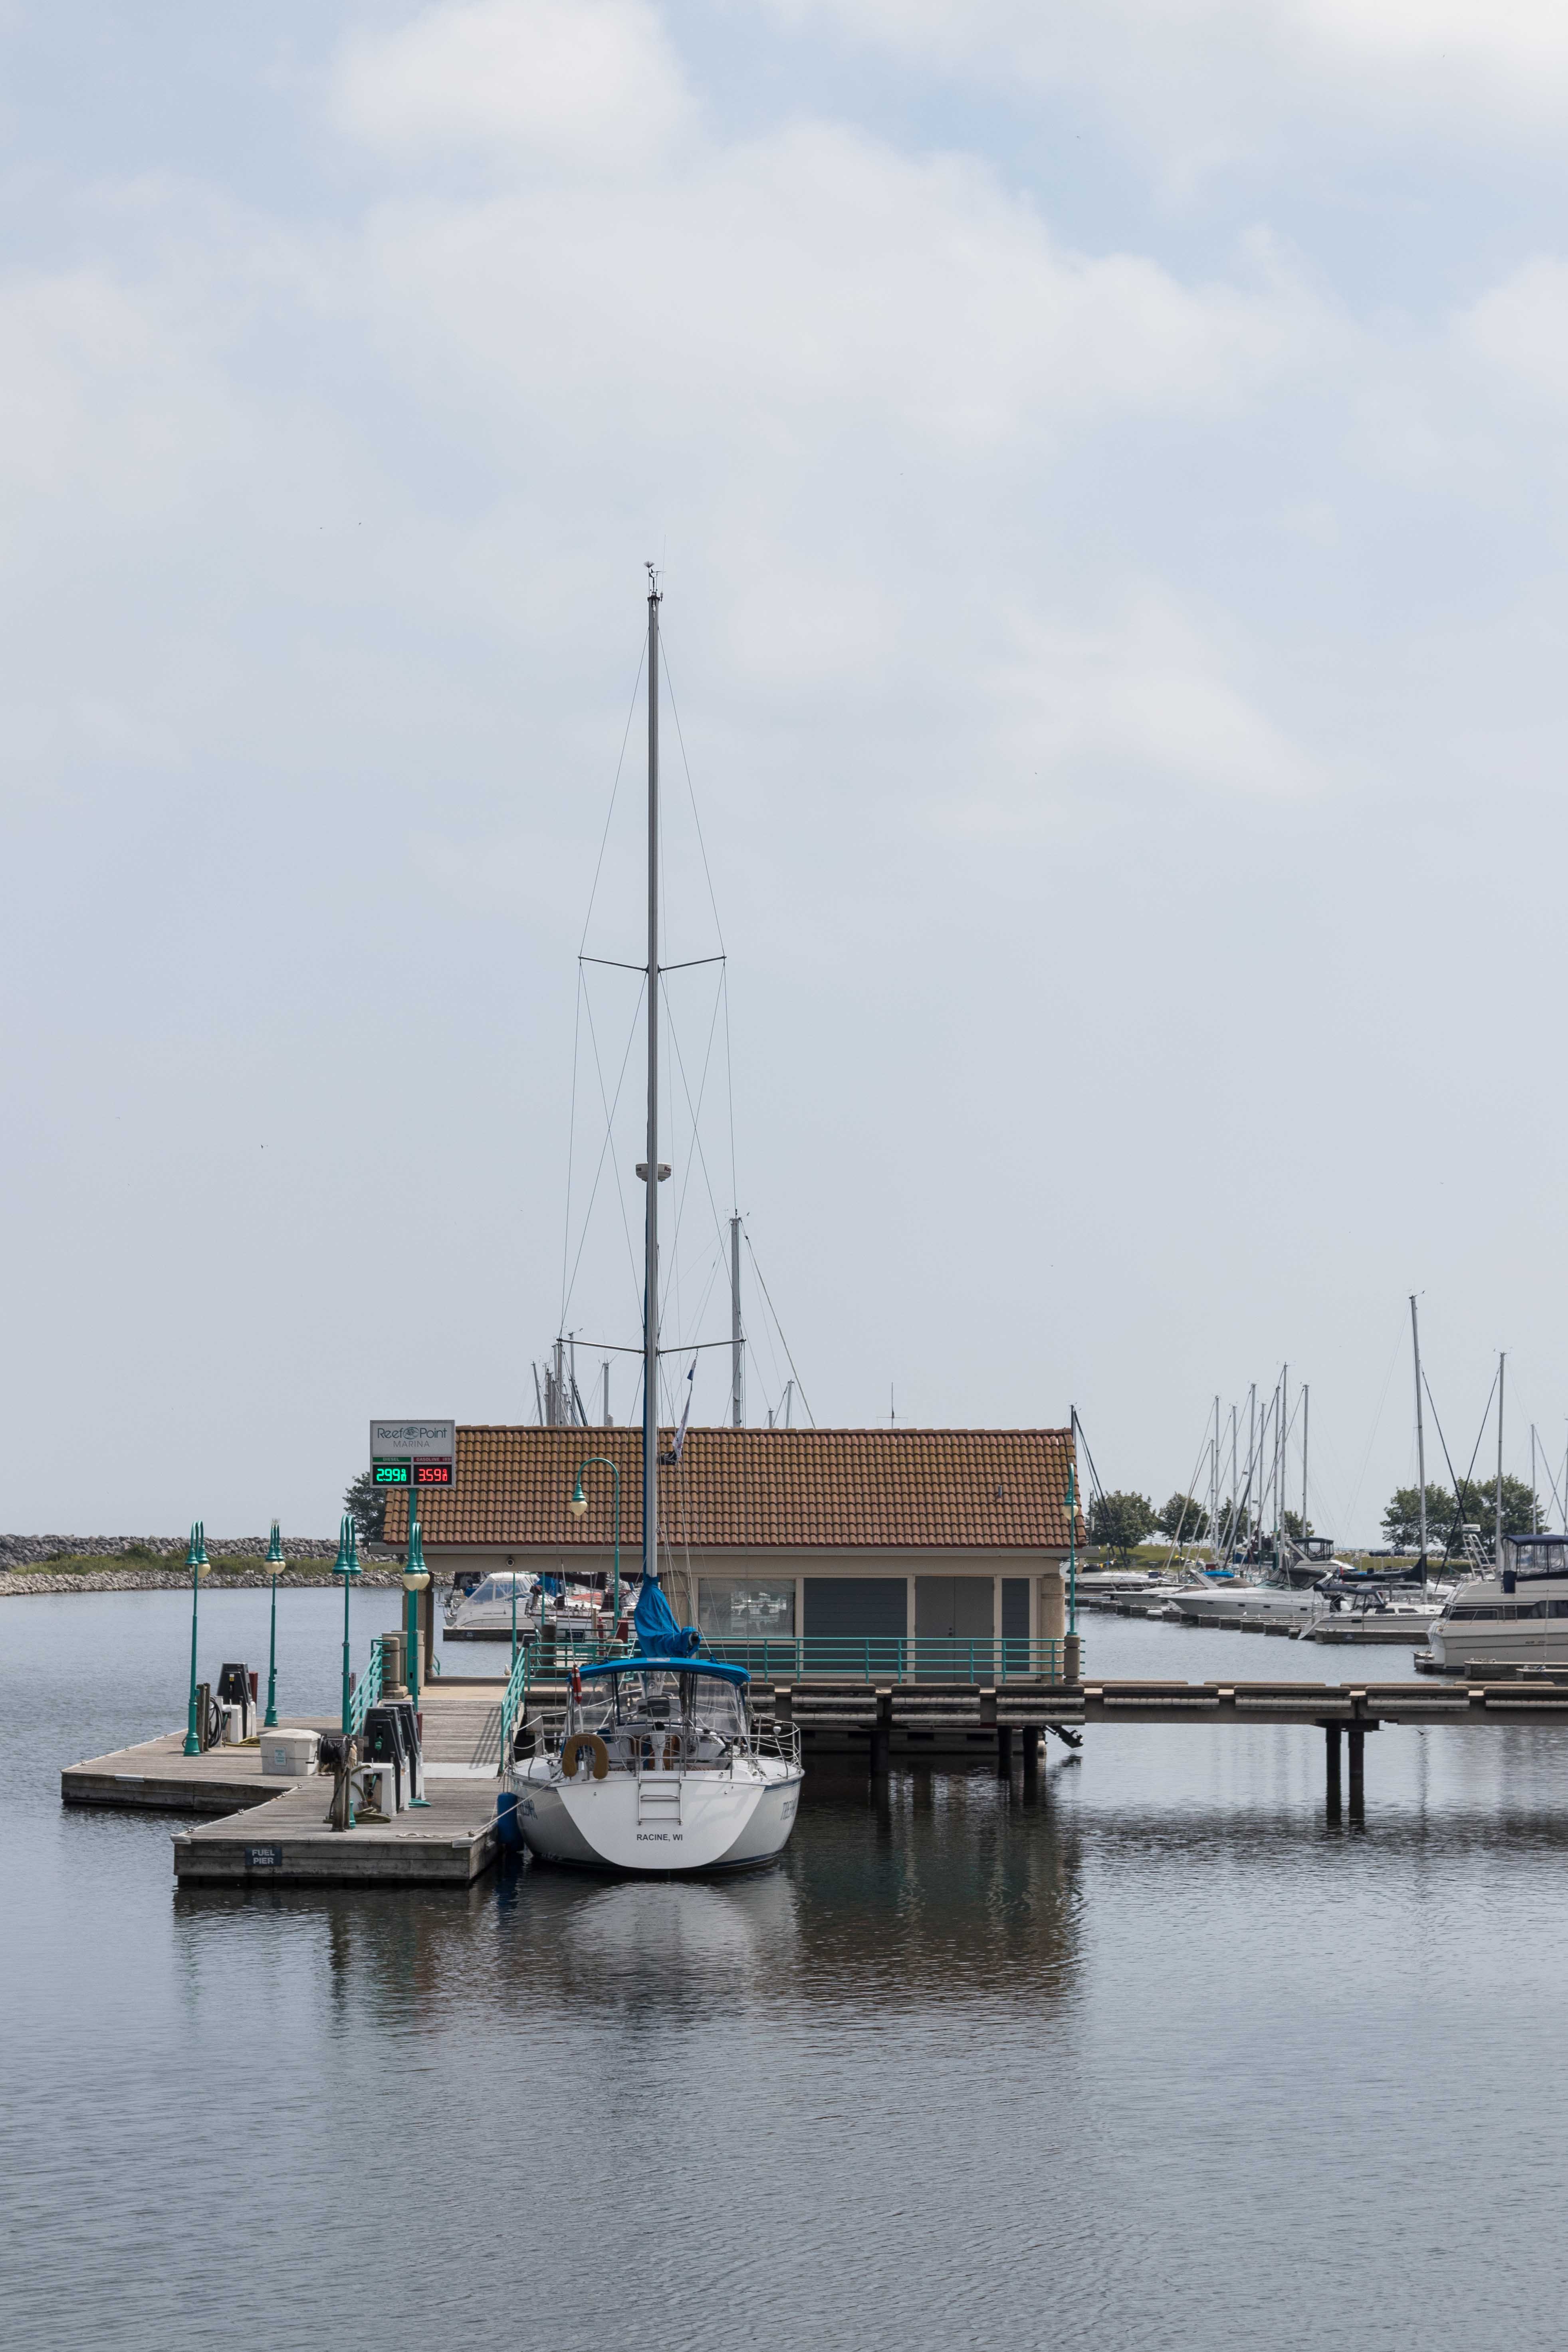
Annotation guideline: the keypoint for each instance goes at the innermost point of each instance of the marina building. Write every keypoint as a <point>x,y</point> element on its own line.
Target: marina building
<point>785,1533</point>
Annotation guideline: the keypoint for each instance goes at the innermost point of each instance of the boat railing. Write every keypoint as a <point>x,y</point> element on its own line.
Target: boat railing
<point>774,1739</point>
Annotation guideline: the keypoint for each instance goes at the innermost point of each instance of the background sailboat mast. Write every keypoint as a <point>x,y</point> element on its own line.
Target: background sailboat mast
<point>1420,1432</point>
<point>650,1265</point>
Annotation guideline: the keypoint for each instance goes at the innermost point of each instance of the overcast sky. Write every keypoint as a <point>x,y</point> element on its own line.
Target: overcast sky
<point>1107,463</point>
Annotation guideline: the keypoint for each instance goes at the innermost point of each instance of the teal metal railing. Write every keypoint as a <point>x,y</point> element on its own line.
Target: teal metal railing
<point>874,1658</point>
<point>512,1704</point>
<point>899,1658</point>
<point>367,1690</point>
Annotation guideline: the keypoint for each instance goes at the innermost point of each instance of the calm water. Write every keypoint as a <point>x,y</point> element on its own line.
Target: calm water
<point>1156,2059</point>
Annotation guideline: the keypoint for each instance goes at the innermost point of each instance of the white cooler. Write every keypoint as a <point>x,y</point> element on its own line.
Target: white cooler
<point>290,1754</point>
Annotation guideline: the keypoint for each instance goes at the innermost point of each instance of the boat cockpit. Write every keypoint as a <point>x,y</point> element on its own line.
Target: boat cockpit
<point>664,1716</point>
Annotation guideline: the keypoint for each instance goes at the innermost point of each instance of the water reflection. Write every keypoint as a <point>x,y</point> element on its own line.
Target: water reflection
<point>1151,2056</point>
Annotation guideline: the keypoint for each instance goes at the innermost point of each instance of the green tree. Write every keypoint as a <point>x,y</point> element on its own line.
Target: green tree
<point>1402,1521</point>
<point>1477,1503</point>
<point>1295,1526</point>
<point>366,1504</point>
<point>1184,1516</point>
<point>1120,1522</point>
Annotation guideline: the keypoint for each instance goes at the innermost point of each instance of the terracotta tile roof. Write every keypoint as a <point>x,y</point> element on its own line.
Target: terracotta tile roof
<point>984,1489</point>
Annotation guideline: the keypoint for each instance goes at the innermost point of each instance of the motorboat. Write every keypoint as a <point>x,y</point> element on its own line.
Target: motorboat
<point>544,1604</point>
<point>659,1767</point>
<point>1207,1602</point>
<point>1517,1616</point>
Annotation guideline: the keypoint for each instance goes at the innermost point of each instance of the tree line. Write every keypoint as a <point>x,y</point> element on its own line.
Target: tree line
<point>1119,1522</point>
<point>1472,1502</point>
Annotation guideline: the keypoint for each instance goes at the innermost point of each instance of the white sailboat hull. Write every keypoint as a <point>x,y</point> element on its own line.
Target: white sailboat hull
<point>659,1823</point>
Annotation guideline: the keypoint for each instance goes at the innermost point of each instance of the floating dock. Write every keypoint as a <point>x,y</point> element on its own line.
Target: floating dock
<point>272,1830</point>
<point>448,1842</point>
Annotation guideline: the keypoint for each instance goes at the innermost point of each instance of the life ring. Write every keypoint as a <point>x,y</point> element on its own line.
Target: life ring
<point>674,1746</point>
<point>572,1750</point>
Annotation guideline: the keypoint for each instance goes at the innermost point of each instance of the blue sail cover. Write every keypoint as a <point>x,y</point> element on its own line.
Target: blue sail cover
<point>657,1630</point>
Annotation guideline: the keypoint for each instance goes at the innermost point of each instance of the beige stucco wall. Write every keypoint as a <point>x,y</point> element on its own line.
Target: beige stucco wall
<point>1047,1600</point>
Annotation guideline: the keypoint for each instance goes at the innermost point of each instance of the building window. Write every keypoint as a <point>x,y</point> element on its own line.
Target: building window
<point>739,1609</point>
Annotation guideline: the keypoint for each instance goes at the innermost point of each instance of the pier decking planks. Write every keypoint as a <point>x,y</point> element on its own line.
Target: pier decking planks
<point>157,1776</point>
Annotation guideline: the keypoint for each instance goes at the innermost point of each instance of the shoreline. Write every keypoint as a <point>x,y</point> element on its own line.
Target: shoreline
<point>15,1585</point>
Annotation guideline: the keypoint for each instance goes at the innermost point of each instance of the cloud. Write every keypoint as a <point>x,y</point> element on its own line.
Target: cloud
<point>1519,329</point>
<point>1204,79</point>
<point>589,83</point>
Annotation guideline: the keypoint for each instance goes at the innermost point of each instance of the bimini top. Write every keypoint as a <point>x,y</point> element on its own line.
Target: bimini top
<point>681,1663</point>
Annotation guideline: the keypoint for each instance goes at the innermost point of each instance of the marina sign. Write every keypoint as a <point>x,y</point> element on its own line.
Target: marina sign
<point>421,1454</point>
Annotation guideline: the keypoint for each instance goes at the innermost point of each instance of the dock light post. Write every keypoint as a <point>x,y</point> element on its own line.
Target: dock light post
<point>1072,1548</point>
<point>415,1576</point>
<point>278,1564</point>
<point>346,1565</point>
<point>579,1504</point>
<point>196,1561</point>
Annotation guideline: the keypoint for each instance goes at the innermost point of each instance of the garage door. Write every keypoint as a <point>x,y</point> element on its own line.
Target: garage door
<point>855,1624</point>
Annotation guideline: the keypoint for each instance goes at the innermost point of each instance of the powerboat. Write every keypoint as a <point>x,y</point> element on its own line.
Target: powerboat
<point>1516,1617</point>
<point>1207,1602</point>
<point>544,1604</point>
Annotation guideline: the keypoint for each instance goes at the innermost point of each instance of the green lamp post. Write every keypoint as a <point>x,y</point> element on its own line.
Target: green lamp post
<point>196,1561</point>
<point>278,1564</point>
<point>415,1576</point>
<point>1072,1549</point>
<point>579,1504</point>
<point>346,1565</point>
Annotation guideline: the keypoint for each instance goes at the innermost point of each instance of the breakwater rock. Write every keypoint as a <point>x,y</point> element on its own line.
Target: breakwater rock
<point>157,1563</point>
<point>169,1579</point>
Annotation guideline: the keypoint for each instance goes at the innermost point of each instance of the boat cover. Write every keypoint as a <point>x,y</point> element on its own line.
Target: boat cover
<point>673,1664</point>
<point>655,1619</point>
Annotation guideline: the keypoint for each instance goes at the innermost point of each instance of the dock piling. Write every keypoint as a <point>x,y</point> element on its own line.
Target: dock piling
<point>1332,1742</point>
<point>1358,1771</point>
<point>883,1735</point>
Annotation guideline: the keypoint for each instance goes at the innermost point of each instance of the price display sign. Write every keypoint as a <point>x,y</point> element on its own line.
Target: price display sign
<point>414,1454</point>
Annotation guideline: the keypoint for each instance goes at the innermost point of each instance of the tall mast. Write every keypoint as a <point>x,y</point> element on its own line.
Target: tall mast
<point>650,1261</point>
<point>736,1415</point>
<point>1420,1431</point>
<point>1306,1397</point>
<point>1496,1537</point>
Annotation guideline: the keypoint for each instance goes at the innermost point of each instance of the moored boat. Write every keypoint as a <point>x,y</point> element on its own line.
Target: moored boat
<point>1519,1616</point>
<point>660,1768</point>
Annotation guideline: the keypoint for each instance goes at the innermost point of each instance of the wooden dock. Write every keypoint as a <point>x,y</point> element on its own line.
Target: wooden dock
<point>450,1842</point>
<point>274,1832</point>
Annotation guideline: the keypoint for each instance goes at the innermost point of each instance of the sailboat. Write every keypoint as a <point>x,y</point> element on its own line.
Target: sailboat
<point>661,1765</point>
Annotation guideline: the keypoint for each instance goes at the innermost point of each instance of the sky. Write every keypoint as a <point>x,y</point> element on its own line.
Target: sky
<point>1107,469</point>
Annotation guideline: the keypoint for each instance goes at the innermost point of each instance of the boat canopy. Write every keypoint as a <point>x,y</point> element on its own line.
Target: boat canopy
<point>673,1664</point>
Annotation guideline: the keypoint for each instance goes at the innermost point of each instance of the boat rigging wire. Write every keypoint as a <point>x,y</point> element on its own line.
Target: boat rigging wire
<point>784,1342</point>
<point>691,792</point>
<point>609,1110</point>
